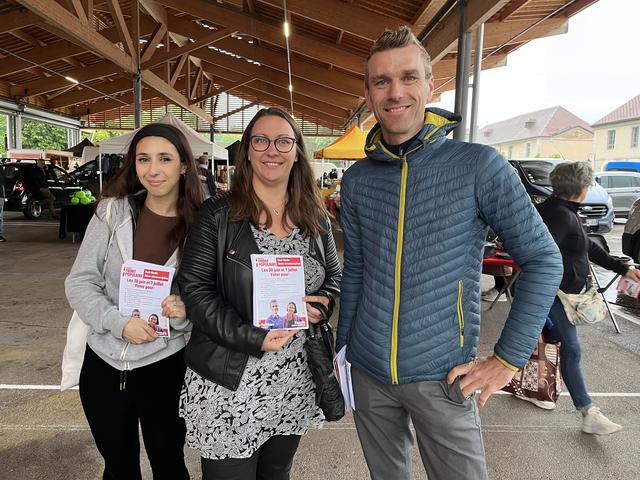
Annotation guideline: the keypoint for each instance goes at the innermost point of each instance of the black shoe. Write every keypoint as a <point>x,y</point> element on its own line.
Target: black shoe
<point>2,239</point>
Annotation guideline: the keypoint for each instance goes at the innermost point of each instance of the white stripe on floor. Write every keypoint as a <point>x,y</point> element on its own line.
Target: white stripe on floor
<point>7,386</point>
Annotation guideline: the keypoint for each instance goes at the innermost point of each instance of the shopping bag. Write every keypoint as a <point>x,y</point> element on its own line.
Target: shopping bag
<point>73,354</point>
<point>540,378</point>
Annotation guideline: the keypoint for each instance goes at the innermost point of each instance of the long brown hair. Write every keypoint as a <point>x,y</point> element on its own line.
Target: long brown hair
<point>127,183</point>
<point>304,207</point>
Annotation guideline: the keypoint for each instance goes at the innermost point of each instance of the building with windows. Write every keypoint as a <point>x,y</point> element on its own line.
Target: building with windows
<point>552,132</point>
<point>617,134</point>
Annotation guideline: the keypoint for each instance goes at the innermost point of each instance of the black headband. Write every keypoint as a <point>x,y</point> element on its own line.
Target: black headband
<point>166,132</point>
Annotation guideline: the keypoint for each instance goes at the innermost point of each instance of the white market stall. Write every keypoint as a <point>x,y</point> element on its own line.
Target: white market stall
<point>198,144</point>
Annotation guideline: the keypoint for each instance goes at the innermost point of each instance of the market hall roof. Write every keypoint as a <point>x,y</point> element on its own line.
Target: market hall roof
<point>77,57</point>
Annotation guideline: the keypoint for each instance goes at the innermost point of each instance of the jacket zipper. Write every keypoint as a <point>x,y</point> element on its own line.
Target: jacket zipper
<point>398,272</point>
<point>460,313</point>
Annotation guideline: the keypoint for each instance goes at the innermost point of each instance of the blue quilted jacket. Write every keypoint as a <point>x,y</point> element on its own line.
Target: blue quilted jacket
<point>414,231</point>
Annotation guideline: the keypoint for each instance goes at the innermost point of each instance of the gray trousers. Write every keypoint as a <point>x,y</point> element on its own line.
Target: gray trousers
<point>447,429</point>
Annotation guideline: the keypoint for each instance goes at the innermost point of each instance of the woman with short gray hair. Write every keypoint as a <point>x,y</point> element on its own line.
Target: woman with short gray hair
<point>571,178</point>
<point>570,182</point>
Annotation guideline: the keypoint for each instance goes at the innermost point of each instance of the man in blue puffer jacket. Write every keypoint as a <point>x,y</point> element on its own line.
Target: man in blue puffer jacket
<point>415,215</point>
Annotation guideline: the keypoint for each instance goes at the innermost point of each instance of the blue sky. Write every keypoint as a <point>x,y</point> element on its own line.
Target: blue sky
<point>591,70</point>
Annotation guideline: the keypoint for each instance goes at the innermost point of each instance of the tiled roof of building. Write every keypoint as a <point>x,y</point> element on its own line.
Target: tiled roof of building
<point>627,111</point>
<point>543,123</point>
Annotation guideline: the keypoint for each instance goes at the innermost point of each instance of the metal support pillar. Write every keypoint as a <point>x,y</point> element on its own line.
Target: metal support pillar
<point>462,74</point>
<point>137,101</point>
<point>17,131</point>
<point>475,95</point>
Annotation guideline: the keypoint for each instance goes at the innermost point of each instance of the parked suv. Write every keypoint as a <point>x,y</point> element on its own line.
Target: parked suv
<point>20,194</point>
<point>623,187</point>
<point>596,211</point>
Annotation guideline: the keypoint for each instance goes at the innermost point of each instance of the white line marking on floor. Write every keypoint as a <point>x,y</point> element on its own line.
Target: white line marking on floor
<point>32,224</point>
<point>7,386</point>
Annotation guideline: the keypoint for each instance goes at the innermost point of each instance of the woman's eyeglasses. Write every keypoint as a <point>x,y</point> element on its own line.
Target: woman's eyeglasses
<point>260,143</point>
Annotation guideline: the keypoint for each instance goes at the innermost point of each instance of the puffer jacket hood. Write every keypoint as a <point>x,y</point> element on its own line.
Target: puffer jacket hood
<point>437,125</point>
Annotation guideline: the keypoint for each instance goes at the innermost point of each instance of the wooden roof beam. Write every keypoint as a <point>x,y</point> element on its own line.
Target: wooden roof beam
<point>17,20</point>
<point>279,79</point>
<point>39,56</point>
<point>121,25</point>
<point>343,16</point>
<point>341,82</point>
<point>82,33</point>
<point>212,93</point>
<point>78,8</point>
<point>150,46</point>
<point>46,85</point>
<point>511,9</point>
<point>425,14</point>
<point>302,44</point>
<point>234,111</point>
<point>498,33</point>
<point>441,41</point>
<point>167,91</point>
<point>200,42</point>
<point>299,98</point>
<point>88,94</point>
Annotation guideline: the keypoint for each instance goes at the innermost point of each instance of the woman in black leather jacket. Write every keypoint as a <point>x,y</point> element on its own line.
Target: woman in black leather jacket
<point>570,182</point>
<point>248,394</point>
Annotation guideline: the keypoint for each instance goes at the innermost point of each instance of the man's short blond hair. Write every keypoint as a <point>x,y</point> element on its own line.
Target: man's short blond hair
<point>402,37</point>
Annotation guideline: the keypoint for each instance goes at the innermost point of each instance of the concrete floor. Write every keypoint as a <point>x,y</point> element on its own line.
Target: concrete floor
<point>43,433</point>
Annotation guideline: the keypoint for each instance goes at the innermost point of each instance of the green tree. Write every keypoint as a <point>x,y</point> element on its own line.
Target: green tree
<point>3,134</point>
<point>43,136</point>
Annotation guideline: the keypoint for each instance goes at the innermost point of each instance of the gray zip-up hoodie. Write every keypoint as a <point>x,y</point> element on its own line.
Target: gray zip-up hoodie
<point>107,244</point>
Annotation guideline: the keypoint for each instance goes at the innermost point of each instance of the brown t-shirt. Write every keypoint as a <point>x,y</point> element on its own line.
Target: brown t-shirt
<point>151,239</point>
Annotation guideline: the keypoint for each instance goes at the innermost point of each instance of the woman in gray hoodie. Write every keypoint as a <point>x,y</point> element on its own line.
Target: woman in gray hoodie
<point>145,214</point>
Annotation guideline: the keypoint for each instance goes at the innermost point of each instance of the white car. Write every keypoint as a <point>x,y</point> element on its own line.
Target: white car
<point>623,187</point>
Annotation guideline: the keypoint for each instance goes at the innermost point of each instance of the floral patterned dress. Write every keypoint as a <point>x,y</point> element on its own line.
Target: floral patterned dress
<point>276,393</point>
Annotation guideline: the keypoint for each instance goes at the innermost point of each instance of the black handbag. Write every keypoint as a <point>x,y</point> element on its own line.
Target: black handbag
<point>320,352</point>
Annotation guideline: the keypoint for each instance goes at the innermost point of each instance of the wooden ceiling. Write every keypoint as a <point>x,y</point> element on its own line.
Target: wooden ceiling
<point>188,51</point>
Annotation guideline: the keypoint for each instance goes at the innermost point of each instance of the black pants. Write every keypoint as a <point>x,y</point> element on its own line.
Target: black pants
<point>272,461</point>
<point>150,397</point>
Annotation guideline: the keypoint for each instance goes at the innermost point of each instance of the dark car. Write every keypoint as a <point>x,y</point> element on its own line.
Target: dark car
<point>20,193</point>
<point>88,176</point>
<point>596,211</point>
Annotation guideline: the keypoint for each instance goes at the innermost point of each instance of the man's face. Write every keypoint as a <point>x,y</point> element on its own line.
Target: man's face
<point>274,308</point>
<point>398,91</point>
<point>40,163</point>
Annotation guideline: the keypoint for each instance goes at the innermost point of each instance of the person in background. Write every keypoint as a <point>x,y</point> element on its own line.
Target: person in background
<point>415,215</point>
<point>249,395</point>
<point>146,212</point>
<point>206,177</point>
<point>570,182</point>
<point>38,179</point>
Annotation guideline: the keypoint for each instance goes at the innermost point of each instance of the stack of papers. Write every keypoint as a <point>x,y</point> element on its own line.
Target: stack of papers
<point>342,369</point>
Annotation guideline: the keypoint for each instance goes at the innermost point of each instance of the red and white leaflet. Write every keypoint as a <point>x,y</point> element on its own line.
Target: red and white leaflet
<point>278,288</point>
<point>143,287</point>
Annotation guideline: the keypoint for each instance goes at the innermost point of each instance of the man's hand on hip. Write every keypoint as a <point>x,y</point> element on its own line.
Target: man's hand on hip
<point>486,375</point>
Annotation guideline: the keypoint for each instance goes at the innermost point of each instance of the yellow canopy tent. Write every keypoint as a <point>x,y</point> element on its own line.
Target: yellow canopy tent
<point>349,146</point>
